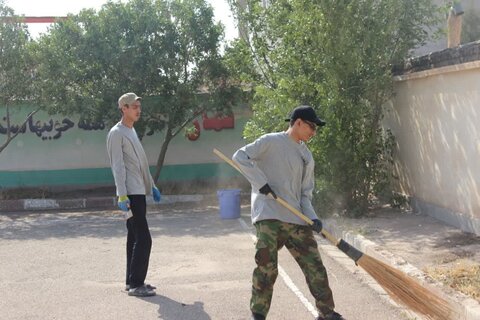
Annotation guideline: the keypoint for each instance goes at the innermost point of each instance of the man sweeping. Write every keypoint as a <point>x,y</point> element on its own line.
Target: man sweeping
<point>281,164</point>
<point>133,181</point>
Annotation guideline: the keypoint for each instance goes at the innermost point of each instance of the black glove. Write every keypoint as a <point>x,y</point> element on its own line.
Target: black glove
<point>317,225</point>
<point>266,190</point>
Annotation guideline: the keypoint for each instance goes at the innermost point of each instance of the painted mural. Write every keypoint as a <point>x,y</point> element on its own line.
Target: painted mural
<point>67,150</point>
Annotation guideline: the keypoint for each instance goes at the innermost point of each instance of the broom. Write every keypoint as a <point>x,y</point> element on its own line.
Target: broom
<point>400,286</point>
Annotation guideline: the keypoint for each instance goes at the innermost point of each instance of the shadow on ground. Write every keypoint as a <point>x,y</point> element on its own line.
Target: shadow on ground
<point>169,309</point>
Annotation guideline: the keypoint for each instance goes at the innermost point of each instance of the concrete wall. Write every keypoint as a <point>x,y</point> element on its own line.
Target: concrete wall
<point>435,117</point>
<point>58,150</point>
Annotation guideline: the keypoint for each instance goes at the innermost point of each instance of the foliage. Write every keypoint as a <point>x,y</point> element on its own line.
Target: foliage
<point>336,56</point>
<point>237,59</point>
<point>163,50</point>
<point>16,69</point>
<point>471,26</point>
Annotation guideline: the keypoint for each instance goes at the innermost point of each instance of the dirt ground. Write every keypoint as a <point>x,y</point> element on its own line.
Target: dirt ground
<point>444,253</point>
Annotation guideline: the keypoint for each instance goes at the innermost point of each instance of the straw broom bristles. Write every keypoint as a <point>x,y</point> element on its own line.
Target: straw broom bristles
<point>406,290</point>
<point>401,287</point>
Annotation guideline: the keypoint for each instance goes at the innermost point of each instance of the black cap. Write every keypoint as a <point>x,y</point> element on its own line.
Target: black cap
<point>306,113</point>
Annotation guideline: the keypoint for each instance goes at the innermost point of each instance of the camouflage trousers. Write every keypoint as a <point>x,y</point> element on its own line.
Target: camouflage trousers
<point>272,235</point>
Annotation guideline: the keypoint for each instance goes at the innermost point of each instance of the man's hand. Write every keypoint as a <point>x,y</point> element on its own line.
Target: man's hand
<point>156,194</point>
<point>266,190</point>
<point>124,203</point>
<point>317,225</point>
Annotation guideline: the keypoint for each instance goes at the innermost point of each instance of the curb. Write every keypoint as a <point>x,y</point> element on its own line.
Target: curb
<point>466,308</point>
<point>103,202</point>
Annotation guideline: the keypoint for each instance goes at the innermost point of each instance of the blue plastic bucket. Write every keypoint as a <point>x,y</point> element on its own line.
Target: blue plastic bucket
<point>229,202</point>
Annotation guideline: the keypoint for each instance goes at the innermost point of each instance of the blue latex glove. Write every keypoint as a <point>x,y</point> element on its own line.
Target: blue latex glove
<point>317,225</point>
<point>124,203</point>
<point>156,194</point>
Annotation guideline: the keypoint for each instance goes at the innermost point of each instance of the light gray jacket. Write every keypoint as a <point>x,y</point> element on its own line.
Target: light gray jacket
<point>128,161</point>
<point>287,166</point>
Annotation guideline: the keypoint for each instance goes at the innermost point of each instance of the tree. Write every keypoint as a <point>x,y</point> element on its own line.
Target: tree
<point>16,70</point>
<point>336,56</point>
<point>471,26</point>
<point>164,50</point>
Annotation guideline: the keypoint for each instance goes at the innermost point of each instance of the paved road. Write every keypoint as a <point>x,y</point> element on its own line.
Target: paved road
<point>70,265</point>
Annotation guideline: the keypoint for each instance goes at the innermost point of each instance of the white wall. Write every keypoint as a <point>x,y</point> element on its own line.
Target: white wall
<point>435,117</point>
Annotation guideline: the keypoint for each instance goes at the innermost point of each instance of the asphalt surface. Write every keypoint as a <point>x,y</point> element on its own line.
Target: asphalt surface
<point>71,265</point>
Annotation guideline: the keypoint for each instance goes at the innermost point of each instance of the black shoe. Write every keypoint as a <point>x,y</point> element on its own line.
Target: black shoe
<point>256,316</point>
<point>149,286</point>
<point>331,316</point>
<point>142,291</point>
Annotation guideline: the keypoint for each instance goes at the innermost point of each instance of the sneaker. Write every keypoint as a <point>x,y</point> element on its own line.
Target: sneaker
<point>256,316</point>
<point>141,291</point>
<point>149,286</point>
<point>331,316</point>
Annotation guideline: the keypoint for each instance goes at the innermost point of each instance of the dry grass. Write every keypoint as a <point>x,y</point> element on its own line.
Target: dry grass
<point>462,275</point>
<point>25,193</point>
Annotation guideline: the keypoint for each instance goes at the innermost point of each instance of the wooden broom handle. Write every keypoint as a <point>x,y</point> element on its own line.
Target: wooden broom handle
<point>280,200</point>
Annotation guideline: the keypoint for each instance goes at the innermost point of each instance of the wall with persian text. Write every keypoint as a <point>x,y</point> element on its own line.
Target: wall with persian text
<point>55,150</point>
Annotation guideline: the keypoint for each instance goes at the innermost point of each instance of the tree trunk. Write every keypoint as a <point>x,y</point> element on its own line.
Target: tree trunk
<point>169,135</point>
<point>161,157</point>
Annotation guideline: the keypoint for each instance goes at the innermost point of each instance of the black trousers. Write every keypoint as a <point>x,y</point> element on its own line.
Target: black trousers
<point>139,242</point>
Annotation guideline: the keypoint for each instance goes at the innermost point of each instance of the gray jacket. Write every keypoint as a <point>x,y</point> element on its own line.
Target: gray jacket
<point>128,161</point>
<point>287,167</point>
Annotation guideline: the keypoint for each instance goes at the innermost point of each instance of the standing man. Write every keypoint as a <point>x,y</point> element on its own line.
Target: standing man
<point>133,182</point>
<point>280,163</point>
